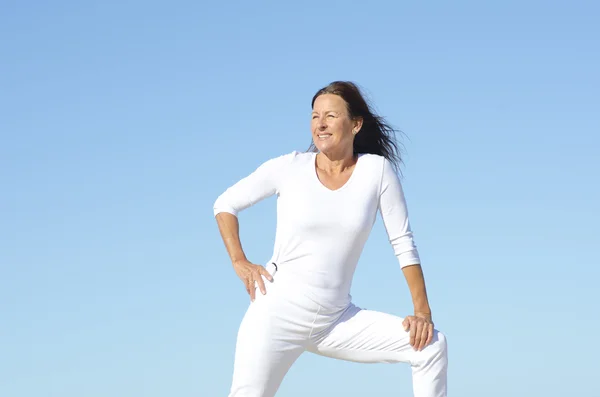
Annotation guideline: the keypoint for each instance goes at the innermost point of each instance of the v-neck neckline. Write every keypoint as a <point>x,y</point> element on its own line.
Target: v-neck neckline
<point>315,174</point>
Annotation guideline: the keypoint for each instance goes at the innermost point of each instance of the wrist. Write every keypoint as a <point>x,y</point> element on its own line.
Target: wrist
<point>423,314</point>
<point>422,307</point>
<point>237,262</point>
<point>427,317</point>
<point>426,310</point>
<point>426,314</point>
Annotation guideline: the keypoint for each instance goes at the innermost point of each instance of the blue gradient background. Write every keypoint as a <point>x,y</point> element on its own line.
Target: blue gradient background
<point>121,122</point>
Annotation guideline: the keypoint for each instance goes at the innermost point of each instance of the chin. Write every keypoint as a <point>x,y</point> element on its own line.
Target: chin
<point>323,146</point>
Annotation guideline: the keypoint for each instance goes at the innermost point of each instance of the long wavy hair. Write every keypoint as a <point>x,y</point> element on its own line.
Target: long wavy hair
<point>376,136</point>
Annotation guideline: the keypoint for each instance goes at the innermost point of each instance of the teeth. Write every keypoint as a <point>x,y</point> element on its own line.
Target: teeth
<point>324,136</point>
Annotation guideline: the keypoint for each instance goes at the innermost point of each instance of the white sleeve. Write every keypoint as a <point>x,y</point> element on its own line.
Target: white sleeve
<point>394,213</point>
<point>260,184</point>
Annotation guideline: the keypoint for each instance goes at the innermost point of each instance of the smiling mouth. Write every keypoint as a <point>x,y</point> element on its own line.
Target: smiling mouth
<point>323,136</point>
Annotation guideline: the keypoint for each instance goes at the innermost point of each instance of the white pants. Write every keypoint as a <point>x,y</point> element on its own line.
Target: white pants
<point>279,326</point>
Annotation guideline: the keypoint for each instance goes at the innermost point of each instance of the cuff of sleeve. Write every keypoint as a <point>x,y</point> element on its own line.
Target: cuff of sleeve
<point>229,210</point>
<point>409,258</point>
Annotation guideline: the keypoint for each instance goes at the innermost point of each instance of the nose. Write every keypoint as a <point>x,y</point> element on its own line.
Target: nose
<point>321,124</point>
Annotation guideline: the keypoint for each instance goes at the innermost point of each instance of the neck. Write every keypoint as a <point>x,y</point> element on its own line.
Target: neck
<point>336,163</point>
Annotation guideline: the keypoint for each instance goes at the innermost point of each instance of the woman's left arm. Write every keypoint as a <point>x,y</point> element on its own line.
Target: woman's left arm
<point>394,213</point>
<point>420,324</point>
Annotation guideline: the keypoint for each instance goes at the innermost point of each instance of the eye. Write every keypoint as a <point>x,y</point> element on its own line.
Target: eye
<point>330,116</point>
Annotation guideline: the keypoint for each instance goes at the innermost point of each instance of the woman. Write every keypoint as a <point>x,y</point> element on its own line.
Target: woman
<point>327,203</point>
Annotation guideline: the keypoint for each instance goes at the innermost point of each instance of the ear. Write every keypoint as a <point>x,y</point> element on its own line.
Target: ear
<point>358,122</point>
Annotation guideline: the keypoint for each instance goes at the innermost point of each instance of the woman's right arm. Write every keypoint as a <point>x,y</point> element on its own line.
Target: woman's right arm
<point>248,272</point>
<point>260,184</point>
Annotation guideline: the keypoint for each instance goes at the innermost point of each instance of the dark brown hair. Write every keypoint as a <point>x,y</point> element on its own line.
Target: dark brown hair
<point>376,136</point>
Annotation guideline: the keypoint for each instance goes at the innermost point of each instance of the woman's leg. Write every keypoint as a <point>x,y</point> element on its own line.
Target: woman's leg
<point>273,334</point>
<point>262,358</point>
<point>374,337</point>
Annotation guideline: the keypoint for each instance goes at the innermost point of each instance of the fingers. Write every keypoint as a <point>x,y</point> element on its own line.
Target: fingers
<point>424,335</point>
<point>254,278</point>
<point>265,273</point>
<point>406,324</point>
<point>261,283</point>
<point>429,334</point>
<point>421,331</point>
<point>413,331</point>
<point>418,325</point>
<point>251,289</point>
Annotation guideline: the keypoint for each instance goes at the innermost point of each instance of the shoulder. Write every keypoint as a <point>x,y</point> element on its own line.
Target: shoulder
<point>380,170</point>
<point>370,157</point>
<point>375,162</point>
<point>383,164</point>
<point>288,158</point>
<point>283,163</point>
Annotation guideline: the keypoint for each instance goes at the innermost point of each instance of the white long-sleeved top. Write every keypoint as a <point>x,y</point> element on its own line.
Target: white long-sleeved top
<point>321,233</point>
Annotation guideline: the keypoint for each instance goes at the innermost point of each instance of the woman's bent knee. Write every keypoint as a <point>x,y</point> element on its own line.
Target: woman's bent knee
<point>442,341</point>
<point>436,351</point>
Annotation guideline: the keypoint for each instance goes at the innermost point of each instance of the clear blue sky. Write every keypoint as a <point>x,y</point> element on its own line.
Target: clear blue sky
<point>121,122</point>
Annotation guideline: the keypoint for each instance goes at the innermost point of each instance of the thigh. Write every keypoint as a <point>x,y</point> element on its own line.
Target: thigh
<point>262,356</point>
<point>369,336</point>
<point>273,334</point>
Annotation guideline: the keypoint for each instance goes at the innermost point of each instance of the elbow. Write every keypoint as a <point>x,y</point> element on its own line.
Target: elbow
<point>221,205</point>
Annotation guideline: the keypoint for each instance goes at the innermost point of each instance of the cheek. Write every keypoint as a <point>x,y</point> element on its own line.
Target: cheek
<point>341,129</point>
<point>346,132</point>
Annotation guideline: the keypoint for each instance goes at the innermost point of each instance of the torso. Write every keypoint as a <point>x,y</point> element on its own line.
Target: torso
<point>323,223</point>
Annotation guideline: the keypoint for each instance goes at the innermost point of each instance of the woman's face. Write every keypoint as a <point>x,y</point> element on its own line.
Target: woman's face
<point>331,125</point>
